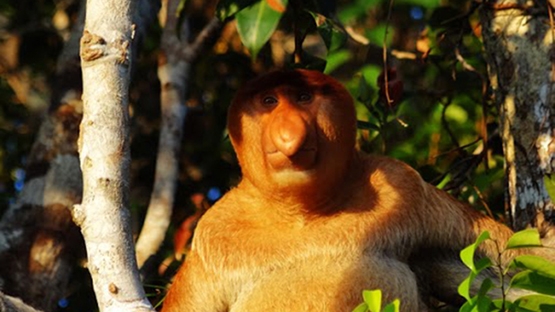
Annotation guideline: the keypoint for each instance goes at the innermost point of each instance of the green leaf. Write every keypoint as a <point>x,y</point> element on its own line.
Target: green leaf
<point>393,306</point>
<point>533,281</point>
<point>256,24</point>
<point>366,125</point>
<point>334,37</point>
<point>336,59</point>
<point>228,8</point>
<point>483,303</point>
<point>373,298</point>
<point>363,307</point>
<point>535,303</point>
<point>537,264</point>
<point>464,286</point>
<point>467,254</point>
<point>482,264</point>
<point>377,34</point>
<point>486,286</point>
<point>367,86</point>
<point>524,238</point>
<point>312,62</point>
<point>468,306</point>
<point>501,305</point>
<point>456,113</point>
<point>365,91</point>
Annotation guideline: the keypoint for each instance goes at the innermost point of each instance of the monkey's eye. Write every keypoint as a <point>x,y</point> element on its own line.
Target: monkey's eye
<point>304,97</point>
<point>269,100</point>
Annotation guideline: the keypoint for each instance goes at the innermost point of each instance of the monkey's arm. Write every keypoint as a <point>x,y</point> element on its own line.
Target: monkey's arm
<point>455,225</point>
<point>194,288</point>
<point>437,220</point>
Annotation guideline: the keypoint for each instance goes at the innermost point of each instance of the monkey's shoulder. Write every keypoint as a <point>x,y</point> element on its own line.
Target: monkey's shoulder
<point>230,215</point>
<point>393,168</point>
<point>222,212</point>
<point>390,178</point>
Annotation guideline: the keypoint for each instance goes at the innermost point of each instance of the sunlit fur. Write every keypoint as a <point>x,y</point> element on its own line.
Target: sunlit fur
<point>314,222</point>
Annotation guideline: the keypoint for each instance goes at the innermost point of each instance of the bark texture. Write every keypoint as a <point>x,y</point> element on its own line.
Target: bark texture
<point>104,154</point>
<point>518,38</point>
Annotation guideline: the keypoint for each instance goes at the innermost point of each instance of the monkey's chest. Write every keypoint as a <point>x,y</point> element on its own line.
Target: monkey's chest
<point>314,275</point>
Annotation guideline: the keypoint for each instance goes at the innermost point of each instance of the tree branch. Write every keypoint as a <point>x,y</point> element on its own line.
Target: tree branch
<point>173,71</point>
<point>104,153</point>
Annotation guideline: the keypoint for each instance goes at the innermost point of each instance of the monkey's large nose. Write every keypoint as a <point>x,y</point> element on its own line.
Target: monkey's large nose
<point>288,133</point>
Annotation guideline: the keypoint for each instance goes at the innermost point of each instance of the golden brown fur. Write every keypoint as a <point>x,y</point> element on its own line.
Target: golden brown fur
<point>313,221</point>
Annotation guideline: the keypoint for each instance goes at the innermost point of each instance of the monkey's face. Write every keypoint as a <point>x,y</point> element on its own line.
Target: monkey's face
<point>293,129</point>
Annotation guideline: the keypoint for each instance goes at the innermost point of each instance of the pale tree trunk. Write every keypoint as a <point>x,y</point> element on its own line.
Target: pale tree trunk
<point>174,65</point>
<point>518,38</point>
<point>39,244</point>
<point>104,154</point>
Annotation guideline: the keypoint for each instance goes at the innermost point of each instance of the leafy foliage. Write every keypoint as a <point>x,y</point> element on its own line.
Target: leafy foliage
<point>227,9</point>
<point>373,303</point>
<point>526,272</point>
<point>256,24</point>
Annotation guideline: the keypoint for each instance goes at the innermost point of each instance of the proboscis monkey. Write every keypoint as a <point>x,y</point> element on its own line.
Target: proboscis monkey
<point>313,221</point>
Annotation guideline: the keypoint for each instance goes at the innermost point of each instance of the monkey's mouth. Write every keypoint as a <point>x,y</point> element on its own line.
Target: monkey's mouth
<point>304,159</point>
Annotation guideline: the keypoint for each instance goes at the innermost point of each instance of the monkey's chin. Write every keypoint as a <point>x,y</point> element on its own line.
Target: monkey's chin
<point>291,177</point>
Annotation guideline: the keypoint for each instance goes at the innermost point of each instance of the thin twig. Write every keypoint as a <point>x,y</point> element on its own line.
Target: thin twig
<point>385,66</point>
<point>192,50</point>
<point>483,200</point>
<point>483,124</point>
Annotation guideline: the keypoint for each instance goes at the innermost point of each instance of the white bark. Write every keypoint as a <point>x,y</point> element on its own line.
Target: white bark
<point>104,154</point>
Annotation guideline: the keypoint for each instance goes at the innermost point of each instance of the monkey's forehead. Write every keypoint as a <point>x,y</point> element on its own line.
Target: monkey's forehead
<point>298,79</point>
